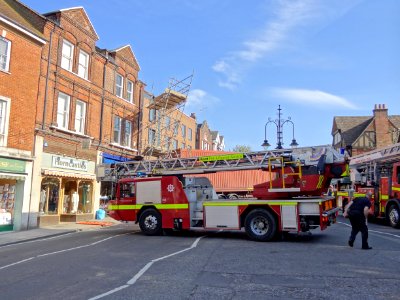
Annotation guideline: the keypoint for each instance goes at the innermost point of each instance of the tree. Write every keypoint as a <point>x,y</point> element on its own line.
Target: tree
<point>241,148</point>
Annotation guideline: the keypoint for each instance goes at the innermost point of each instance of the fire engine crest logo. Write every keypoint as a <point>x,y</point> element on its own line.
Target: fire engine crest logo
<point>170,188</point>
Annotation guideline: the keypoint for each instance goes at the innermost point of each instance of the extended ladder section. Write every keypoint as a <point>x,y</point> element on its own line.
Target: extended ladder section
<point>370,166</point>
<point>267,160</point>
<point>386,155</point>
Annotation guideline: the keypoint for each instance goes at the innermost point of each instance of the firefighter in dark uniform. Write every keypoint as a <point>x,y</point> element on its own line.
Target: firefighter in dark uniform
<point>357,211</point>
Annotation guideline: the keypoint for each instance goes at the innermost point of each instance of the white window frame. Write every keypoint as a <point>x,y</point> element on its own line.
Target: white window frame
<point>117,137</point>
<point>167,123</point>
<point>80,120</point>
<point>119,89</point>
<point>190,134</point>
<point>151,136</point>
<point>63,108</point>
<point>129,90</point>
<point>128,133</point>
<point>5,104</point>
<point>7,56</point>
<point>183,130</point>
<point>152,114</point>
<point>67,59</point>
<point>83,65</point>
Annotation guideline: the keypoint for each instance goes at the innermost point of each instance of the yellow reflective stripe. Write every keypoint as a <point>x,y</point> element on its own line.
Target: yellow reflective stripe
<point>320,180</point>
<point>221,157</point>
<point>248,203</point>
<point>396,188</point>
<point>121,207</point>
<point>139,206</point>
<point>384,197</point>
<point>342,193</point>
<point>359,195</point>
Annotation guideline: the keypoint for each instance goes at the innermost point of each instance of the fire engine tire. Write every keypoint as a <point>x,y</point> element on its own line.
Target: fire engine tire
<point>150,222</point>
<point>394,216</point>
<point>260,225</point>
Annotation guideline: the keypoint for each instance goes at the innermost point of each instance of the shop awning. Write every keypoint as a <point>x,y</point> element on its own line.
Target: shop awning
<point>12,176</point>
<point>68,174</point>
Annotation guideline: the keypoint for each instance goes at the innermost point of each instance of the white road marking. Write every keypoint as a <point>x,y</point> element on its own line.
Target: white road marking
<point>16,263</point>
<point>374,231</point>
<point>60,251</point>
<point>38,240</point>
<point>144,269</point>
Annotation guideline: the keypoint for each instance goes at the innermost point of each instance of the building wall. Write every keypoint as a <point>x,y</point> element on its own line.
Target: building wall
<point>19,88</point>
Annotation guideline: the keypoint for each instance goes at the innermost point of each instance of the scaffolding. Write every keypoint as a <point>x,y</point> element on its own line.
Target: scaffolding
<point>173,99</point>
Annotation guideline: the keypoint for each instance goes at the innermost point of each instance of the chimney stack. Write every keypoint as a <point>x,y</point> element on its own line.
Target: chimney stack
<point>381,122</point>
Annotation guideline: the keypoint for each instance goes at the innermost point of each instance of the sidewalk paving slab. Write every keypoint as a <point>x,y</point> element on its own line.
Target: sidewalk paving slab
<point>17,237</point>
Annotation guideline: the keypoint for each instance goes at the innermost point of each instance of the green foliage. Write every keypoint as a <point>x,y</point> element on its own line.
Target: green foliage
<point>241,148</point>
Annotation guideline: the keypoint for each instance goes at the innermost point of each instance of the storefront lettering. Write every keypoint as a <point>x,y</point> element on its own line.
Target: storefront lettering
<point>70,163</point>
<point>12,165</point>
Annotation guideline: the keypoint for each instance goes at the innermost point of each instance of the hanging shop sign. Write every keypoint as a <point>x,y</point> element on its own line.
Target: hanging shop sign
<point>12,165</point>
<point>69,163</point>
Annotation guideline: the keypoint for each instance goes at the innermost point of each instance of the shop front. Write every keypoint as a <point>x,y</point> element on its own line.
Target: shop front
<point>67,190</point>
<point>12,185</point>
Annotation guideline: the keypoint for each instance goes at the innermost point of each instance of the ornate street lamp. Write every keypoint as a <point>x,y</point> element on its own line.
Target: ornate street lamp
<point>279,131</point>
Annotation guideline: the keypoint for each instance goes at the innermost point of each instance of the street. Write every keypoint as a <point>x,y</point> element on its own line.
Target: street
<point>121,263</point>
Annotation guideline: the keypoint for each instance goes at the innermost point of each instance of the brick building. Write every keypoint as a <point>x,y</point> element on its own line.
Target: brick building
<point>88,104</point>
<point>204,138</point>
<point>360,134</point>
<point>21,42</point>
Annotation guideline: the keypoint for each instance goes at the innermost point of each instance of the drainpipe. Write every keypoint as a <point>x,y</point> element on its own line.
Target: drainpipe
<point>103,100</point>
<point>139,135</point>
<point>47,81</point>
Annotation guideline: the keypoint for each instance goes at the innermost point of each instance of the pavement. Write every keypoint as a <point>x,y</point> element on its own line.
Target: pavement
<point>16,237</point>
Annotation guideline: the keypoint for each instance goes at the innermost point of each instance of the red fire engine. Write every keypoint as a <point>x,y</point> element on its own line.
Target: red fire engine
<point>157,195</point>
<point>377,171</point>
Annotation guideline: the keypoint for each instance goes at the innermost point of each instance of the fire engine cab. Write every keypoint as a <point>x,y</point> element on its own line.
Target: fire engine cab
<point>160,194</point>
<point>377,171</point>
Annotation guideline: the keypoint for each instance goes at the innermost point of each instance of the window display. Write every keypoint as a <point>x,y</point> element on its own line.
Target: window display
<point>48,202</point>
<point>7,201</point>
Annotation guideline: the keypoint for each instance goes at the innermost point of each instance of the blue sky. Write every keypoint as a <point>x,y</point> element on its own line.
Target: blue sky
<point>317,59</point>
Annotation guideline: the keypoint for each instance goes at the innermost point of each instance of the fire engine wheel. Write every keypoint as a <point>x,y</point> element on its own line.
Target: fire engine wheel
<point>150,222</point>
<point>260,225</point>
<point>394,216</point>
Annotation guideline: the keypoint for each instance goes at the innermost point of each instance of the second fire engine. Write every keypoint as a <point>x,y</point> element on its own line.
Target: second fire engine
<point>377,171</point>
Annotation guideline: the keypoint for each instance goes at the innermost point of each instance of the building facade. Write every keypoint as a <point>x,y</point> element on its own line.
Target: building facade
<point>21,43</point>
<point>88,105</point>
<point>359,134</point>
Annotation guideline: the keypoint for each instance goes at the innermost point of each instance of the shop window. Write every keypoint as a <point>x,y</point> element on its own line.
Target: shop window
<point>49,196</point>
<point>85,193</point>
<point>7,203</point>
